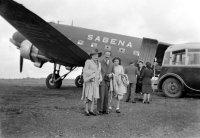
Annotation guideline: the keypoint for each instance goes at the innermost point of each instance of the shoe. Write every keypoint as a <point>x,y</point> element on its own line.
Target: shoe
<point>118,111</point>
<point>148,102</point>
<point>87,114</point>
<point>110,108</point>
<point>92,113</point>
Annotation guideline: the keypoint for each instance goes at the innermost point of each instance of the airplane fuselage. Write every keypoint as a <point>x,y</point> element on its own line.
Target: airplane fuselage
<point>125,47</point>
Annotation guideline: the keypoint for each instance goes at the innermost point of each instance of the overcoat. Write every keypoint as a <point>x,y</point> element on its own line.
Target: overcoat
<point>146,76</point>
<point>92,78</point>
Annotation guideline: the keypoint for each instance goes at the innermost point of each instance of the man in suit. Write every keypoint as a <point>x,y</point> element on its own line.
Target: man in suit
<point>132,72</point>
<point>106,70</point>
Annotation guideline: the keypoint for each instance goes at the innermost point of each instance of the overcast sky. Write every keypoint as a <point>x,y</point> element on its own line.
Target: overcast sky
<point>171,21</point>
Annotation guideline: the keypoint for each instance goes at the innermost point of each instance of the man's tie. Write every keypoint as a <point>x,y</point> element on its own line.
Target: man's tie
<point>107,62</point>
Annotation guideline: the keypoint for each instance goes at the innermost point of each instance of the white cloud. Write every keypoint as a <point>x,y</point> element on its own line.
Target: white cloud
<point>171,21</point>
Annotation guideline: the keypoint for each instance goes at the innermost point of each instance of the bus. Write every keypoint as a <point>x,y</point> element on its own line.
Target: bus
<point>180,71</point>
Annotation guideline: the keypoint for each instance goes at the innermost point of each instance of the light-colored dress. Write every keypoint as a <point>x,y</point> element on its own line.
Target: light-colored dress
<point>120,88</point>
<point>92,78</point>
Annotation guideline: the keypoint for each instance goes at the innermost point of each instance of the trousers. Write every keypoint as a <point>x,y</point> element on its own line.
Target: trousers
<point>131,91</point>
<point>102,102</point>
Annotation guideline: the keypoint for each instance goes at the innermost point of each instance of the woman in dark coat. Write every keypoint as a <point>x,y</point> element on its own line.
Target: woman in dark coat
<point>146,76</point>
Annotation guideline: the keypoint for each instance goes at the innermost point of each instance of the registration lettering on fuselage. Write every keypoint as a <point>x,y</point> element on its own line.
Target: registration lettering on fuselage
<point>109,41</point>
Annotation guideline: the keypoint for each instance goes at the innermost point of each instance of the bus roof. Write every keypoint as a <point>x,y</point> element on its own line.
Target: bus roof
<point>183,46</point>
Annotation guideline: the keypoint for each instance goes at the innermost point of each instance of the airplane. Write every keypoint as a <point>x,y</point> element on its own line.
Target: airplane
<point>65,45</point>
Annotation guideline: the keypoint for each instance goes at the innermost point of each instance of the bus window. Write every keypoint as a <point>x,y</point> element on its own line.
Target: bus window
<point>193,57</point>
<point>166,60</point>
<point>178,57</point>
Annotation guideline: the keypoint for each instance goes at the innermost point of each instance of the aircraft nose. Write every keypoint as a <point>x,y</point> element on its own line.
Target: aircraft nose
<point>18,37</point>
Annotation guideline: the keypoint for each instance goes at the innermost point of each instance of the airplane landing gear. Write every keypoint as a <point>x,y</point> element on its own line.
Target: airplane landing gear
<point>51,83</point>
<point>79,81</point>
<point>54,80</point>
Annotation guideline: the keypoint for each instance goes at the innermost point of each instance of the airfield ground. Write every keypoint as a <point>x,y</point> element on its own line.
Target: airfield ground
<point>29,110</point>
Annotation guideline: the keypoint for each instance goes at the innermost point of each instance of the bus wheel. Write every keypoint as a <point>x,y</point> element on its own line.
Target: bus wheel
<point>79,81</point>
<point>172,88</point>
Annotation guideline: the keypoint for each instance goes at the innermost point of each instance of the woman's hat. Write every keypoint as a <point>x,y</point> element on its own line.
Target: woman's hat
<point>96,51</point>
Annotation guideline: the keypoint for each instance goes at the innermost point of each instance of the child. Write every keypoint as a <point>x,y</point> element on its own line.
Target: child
<point>118,81</point>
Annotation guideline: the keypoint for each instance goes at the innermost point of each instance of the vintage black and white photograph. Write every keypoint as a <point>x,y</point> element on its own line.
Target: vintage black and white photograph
<point>99,69</point>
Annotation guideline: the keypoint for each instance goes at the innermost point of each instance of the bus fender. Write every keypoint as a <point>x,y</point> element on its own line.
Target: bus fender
<point>164,77</point>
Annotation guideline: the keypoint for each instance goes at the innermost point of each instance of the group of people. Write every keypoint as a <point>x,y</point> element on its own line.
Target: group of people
<point>107,78</point>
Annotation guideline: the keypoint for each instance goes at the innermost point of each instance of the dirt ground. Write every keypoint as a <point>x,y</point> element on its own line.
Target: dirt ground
<point>29,110</point>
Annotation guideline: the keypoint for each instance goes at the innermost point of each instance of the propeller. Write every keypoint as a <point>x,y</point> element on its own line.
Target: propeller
<point>21,63</point>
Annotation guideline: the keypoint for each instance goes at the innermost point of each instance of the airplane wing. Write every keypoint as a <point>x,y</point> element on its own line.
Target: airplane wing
<point>45,37</point>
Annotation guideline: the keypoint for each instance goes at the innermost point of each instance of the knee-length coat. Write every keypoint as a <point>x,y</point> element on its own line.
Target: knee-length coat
<point>92,78</point>
<point>146,76</point>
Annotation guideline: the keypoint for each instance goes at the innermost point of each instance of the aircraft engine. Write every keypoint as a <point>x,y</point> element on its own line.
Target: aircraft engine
<point>30,52</point>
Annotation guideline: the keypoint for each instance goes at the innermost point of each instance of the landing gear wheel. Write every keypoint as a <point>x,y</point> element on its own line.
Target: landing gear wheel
<point>172,88</point>
<point>79,81</point>
<point>53,85</point>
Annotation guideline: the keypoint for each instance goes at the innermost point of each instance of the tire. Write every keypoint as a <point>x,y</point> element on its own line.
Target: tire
<point>79,81</point>
<point>52,85</point>
<point>172,88</point>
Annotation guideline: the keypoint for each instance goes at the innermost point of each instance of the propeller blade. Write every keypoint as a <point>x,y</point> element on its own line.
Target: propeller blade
<point>21,63</point>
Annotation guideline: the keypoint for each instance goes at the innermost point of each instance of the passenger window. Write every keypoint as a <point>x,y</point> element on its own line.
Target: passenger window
<point>108,48</point>
<point>122,50</point>
<point>193,58</point>
<point>178,57</point>
<point>80,42</point>
<point>94,45</point>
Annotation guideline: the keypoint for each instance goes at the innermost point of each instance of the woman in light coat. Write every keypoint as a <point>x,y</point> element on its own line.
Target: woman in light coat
<point>119,81</point>
<point>92,78</point>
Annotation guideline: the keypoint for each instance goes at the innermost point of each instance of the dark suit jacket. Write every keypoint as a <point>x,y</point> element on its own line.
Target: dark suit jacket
<point>139,78</point>
<point>146,76</point>
<point>106,69</point>
<point>131,71</point>
<point>141,70</point>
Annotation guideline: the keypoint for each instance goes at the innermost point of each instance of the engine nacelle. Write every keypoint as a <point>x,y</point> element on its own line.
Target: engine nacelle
<point>29,51</point>
<point>26,49</point>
